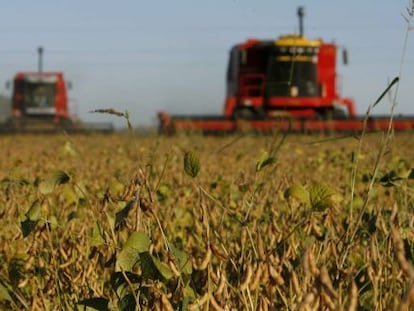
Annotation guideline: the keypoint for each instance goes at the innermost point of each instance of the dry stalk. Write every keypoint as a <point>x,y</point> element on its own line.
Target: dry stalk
<point>218,253</point>
<point>295,284</point>
<point>221,284</point>
<point>309,302</point>
<point>214,304</point>
<point>408,299</point>
<point>243,236</point>
<point>214,276</point>
<point>353,298</point>
<point>203,264</point>
<point>166,304</point>
<point>131,286</point>
<point>264,304</point>
<point>257,278</point>
<point>197,304</point>
<point>326,283</point>
<point>275,275</point>
<point>400,254</point>
<point>260,248</point>
<point>248,275</point>
<point>374,280</point>
<point>327,300</point>
<point>174,268</point>
<point>309,264</point>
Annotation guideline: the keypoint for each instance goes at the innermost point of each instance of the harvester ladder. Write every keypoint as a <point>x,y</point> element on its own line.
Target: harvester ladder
<point>252,84</point>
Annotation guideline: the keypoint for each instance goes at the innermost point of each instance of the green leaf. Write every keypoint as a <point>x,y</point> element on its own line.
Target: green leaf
<point>184,264</point>
<point>90,304</point>
<point>80,190</point>
<point>189,296</point>
<point>69,196</point>
<point>97,236</point>
<point>46,186</point>
<point>16,271</point>
<point>127,303</point>
<point>393,177</point>
<point>57,178</point>
<point>111,220</point>
<point>163,192</point>
<point>27,226</point>
<point>189,292</point>
<point>394,81</point>
<point>162,268</point>
<point>148,267</point>
<point>137,243</point>
<point>264,161</point>
<point>121,285</point>
<point>322,197</point>
<point>4,293</point>
<point>298,192</point>
<point>120,217</point>
<point>32,218</point>
<point>53,222</point>
<point>68,149</point>
<point>389,179</point>
<point>191,164</point>
<point>34,211</point>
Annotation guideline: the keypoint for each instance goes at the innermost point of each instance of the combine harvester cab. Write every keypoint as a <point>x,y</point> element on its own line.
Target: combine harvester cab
<point>291,76</point>
<point>287,84</point>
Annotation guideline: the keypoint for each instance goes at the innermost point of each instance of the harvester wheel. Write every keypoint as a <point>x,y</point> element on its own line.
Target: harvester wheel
<point>249,114</point>
<point>66,123</point>
<point>243,113</point>
<point>330,114</point>
<point>15,123</point>
<point>339,114</point>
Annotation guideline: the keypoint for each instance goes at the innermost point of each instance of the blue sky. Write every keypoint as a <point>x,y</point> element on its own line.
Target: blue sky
<point>171,55</point>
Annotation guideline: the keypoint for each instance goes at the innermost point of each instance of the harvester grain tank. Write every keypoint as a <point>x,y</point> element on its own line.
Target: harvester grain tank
<point>285,84</point>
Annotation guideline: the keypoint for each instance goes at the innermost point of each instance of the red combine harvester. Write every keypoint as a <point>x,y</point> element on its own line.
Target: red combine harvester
<point>288,84</point>
<point>40,104</point>
<point>40,96</point>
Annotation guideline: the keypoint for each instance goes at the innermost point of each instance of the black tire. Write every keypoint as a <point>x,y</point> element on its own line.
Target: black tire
<point>249,114</point>
<point>243,114</point>
<point>330,114</point>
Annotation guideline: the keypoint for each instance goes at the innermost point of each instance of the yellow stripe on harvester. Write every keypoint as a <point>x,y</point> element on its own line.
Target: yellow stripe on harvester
<point>296,41</point>
<point>296,58</point>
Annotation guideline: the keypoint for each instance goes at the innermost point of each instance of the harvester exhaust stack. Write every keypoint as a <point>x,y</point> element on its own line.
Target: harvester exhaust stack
<point>301,14</point>
<point>40,59</point>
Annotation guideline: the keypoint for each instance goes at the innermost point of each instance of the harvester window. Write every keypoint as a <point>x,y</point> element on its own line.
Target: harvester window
<point>38,95</point>
<point>287,71</point>
<point>255,60</point>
